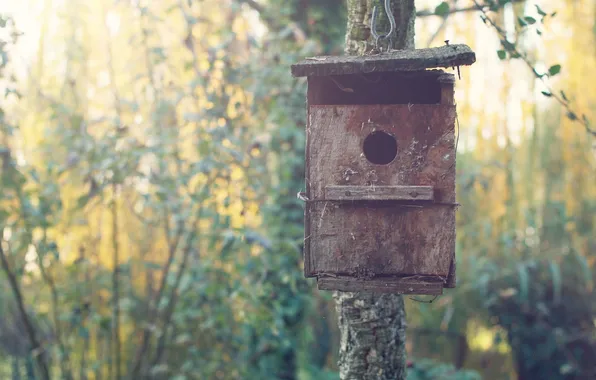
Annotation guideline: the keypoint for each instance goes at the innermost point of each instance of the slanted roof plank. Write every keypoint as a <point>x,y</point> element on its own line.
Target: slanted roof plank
<point>392,61</point>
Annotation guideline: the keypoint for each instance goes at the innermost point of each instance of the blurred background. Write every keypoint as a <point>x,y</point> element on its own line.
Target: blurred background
<point>151,152</point>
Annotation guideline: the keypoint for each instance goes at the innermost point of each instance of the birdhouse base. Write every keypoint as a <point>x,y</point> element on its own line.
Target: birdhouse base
<point>399,285</point>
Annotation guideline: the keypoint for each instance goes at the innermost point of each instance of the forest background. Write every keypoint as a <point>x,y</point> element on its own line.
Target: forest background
<point>151,153</point>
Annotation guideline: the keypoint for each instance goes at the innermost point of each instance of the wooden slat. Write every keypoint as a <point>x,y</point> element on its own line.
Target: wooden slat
<point>390,285</point>
<point>393,61</point>
<point>379,193</point>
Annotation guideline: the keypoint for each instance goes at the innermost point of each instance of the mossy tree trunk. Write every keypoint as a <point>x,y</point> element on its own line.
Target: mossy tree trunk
<point>373,326</point>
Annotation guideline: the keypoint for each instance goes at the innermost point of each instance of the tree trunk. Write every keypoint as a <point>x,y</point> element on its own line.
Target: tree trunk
<point>373,326</point>
<point>358,36</point>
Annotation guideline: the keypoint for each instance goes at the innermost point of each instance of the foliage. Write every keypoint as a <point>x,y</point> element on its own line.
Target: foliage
<point>511,50</point>
<point>429,370</point>
<point>150,159</point>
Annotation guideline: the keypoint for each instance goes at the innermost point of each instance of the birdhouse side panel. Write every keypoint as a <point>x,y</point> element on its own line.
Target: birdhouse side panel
<point>365,238</point>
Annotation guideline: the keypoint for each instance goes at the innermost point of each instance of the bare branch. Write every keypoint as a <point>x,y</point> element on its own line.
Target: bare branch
<point>31,333</point>
<point>571,114</point>
<point>427,12</point>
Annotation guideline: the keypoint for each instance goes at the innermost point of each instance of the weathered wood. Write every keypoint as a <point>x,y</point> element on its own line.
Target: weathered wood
<point>414,87</point>
<point>392,61</point>
<point>365,240</point>
<point>451,278</point>
<point>389,285</point>
<point>379,193</point>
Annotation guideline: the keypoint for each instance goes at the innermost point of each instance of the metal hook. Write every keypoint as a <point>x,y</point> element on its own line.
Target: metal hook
<point>373,22</point>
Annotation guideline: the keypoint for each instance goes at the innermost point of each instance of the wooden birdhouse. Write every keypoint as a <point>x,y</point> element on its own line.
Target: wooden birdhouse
<point>380,170</point>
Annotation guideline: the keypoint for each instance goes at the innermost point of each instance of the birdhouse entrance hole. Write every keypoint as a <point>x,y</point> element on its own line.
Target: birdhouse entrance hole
<point>420,87</point>
<point>380,148</point>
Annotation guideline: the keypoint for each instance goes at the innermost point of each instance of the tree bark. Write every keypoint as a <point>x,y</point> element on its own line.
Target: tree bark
<point>358,36</point>
<point>373,326</point>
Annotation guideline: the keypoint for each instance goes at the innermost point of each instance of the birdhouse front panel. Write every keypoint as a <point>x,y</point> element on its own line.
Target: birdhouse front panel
<point>383,181</point>
<point>380,170</point>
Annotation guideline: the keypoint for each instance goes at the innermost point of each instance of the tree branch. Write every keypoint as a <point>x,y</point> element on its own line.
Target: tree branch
<point>511,48</point>
<point>194,232</point>
<point>16,290</point>
<point>65,362</point>
<point>428,12</point>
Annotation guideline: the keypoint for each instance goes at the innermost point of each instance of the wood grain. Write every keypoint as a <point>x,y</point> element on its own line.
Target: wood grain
<point>379,193</point>
<point>365,240</point>
<point>396,286</point>
<point>393,61</point>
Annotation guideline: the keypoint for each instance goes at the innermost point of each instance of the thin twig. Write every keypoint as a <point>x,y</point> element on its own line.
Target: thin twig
<point>116,282</point>
<point>174,294</point>
<point>65,362</point>
<point>511,48</point>
<point>16,290</point>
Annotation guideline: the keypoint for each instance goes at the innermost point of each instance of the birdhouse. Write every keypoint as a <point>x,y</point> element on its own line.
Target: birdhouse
<point>380,170</point>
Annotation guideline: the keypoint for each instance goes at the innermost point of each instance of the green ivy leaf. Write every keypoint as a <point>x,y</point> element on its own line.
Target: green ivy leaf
<point>442,9</point>
<point>502,54</point>
<point>539,10</point>
<point>521,22</point>
<point>530,20</point>
<point>554,70</point>
<point>509,46</point>
<point>547,94</point>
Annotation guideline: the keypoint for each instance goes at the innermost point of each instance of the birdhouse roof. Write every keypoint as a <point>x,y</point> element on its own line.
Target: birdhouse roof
<point>392,61</point>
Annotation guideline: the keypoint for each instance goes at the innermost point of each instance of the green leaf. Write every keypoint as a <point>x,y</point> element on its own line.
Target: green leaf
<point>547,94</point>
<point>571,115</point>
<point>539,10</point>
<point>509,46</point>
<point>556,275</point>
<point>530,20</point>
<point>502,54</point>
<point>159,369</point>
<point>554,70</point>
<point>83,200</point>
<point>442,9</point>
<point>83,332</point>
<point>564,96</point>
<point>586,271</point>
<point>521,22</point>
<point>566,369</point>
<point>185,282</point>
<point>524,282</point>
